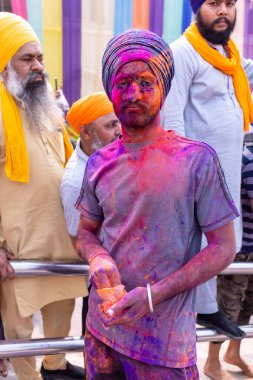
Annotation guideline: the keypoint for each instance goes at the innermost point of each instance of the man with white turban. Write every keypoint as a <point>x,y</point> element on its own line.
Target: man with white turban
<point>34,148</point>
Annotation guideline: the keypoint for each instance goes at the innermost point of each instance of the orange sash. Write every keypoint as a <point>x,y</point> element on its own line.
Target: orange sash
<point>229,66</point>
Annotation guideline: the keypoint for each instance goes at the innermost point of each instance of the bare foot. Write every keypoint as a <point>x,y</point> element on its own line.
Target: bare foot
<point>3,367</point>
<point>239,362</point>
<point>217,373</point>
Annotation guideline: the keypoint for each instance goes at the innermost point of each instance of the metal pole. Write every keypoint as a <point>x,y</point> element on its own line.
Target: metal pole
<point>209,335</point>
<point>48,268</point>
<point>38,347</point>
<point>239,268</point>
<point>25,268</point>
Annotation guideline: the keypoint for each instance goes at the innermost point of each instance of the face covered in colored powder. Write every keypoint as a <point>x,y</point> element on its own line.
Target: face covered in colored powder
<point>136,95</point>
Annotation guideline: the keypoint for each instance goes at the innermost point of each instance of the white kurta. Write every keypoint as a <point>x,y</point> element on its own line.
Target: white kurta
<point>202,105</point>
<point>71,186</point>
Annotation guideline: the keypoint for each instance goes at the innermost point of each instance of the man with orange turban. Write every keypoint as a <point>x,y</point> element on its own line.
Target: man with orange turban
<point>93,118</point>
<point>34,147</point>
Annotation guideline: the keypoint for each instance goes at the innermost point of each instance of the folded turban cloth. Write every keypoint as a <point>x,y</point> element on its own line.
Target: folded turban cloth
<point>196,4</point>
<point>14,33</point>
<point>87,109</point>
<point>138,45</point>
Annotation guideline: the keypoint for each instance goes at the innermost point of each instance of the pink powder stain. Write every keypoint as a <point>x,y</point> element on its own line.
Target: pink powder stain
<point>147,174</point>
<point>134,55</point>
<point>136,83</point>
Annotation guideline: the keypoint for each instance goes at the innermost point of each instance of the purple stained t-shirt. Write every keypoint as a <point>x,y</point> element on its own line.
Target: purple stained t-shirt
<point>154,199</point>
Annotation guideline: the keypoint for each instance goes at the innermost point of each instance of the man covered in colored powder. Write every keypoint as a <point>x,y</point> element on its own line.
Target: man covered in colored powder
<point>210,101</point>
<point>34,147</point>
<point>153,194</point>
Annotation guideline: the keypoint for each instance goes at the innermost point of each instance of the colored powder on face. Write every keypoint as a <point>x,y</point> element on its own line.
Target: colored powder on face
<point>134,45</point>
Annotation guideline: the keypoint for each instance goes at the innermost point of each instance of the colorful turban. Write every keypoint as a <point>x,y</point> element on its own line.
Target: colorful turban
<point>196,4</point>
<point>14,33</point>
<point>86,110</point>
<point>138,45</point>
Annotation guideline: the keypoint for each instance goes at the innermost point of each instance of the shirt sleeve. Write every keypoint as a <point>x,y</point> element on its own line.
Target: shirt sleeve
<point>214,204</point>
<point>248,68</point>
<point>172,114</point>
<point>87,203</point>
<point>69,196</point>
<point>247,178</point>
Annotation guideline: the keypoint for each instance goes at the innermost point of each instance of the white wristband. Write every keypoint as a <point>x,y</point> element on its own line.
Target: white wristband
<point>150,298</point>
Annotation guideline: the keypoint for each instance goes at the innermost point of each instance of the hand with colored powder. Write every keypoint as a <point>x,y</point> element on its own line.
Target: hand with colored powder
<point>110,296</point>
<point>103,272</point>
<point>133,306</point>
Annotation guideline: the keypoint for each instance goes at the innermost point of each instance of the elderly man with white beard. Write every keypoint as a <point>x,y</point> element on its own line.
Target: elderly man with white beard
<point>34,148</point>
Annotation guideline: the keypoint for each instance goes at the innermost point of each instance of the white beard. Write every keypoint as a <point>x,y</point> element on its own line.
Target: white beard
<point>40,106</point>
<point>97,143</point>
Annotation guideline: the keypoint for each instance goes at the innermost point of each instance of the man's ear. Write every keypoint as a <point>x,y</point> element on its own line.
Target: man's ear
<point>85,132</point>
<point>4,73</point>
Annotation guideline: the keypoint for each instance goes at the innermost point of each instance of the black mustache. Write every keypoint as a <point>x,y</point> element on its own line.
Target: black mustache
<point>126,105</point>
<point>223,19</point>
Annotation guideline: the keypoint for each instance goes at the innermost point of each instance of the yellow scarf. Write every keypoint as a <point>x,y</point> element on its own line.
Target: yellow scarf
<point>229,66</point>
<point>17,162</point>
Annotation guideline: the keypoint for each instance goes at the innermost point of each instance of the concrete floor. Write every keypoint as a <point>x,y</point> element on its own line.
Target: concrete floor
<point>246,351</point>
<point>202,348</point>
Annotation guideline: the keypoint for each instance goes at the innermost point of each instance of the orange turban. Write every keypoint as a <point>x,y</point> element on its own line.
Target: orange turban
<point>14,33</point>
<point>87,109</point>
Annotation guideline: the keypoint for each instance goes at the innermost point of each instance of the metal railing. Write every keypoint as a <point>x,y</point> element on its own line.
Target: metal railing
<point>37,347</point>
<point>48,268</point>
<point>25,268</point>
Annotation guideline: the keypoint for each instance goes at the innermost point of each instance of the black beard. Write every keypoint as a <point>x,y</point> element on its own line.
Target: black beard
<point>211,35</point>
<point>135,121</point>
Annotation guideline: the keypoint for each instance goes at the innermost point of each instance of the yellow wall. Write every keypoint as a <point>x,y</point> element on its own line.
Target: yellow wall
<point>52,39</point>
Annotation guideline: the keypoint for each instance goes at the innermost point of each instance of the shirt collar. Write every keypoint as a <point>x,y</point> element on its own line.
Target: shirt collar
<point>219,48</point>
<point>80,152</point>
